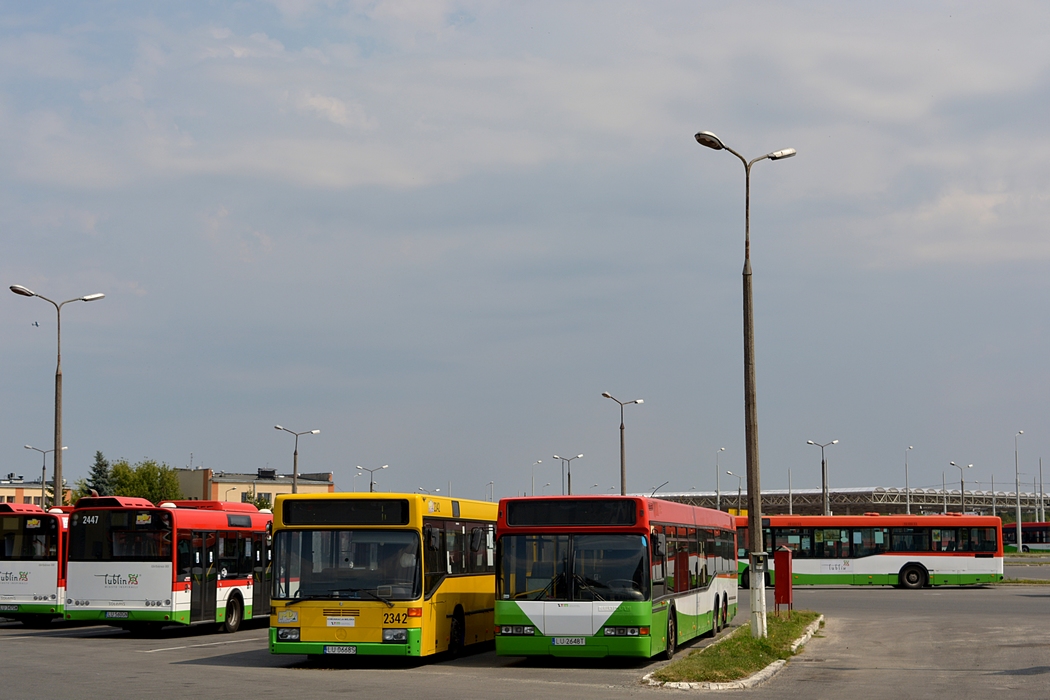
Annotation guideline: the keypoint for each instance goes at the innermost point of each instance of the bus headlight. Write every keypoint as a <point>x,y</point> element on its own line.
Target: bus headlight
<point>288,634</point>
<point>517,630</point>
<point>397,635</point>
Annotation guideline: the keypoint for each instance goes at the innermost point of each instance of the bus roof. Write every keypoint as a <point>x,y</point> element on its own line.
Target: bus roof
<point>656,510</point>
<point>20,508</point>
<point>876,519</point>
<point>426,504</point>
<point>113,502</point>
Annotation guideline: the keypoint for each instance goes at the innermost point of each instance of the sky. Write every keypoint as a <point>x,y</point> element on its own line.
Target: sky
<point>437,231</point>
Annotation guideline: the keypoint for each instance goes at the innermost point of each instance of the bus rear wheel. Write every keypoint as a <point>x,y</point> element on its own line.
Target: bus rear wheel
<point>912,577</point>
<point>234,615</point>
<point>672,635</point>
<point>745,579</point>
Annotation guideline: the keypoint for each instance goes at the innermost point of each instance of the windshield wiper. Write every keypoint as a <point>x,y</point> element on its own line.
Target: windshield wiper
<point>362,590</point>
<point>583,582</point>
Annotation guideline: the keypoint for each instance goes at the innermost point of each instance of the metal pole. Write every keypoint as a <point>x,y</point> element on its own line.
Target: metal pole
<point>718,487</point>
<point>993,495</point>
<point>791,510</point>
<point>907,487</point>
<point>623,458</point>
<point>295,466</point>
<point>944,491</point>
<point>1017,490</point>
<point>824,480</point>
<point>1042,508</point>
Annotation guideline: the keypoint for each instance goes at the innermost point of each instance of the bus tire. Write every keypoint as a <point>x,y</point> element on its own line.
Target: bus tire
<point>234,614</point>
<point>725,611</point>
<point>457,633</point>
<point>672,634</point>
<point>912,576</point>
<point>1024,549</point>
<point>716,618</point>
<point>745,579</point>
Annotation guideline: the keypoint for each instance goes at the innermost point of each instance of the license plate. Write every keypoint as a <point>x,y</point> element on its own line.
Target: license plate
<point>569,641</point>
<point>116,614</point>
<point>340,650</point>
<point>8,608</point>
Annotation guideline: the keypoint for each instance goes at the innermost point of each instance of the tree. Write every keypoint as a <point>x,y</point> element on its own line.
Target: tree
<point>99,478</point>
<point>146,479</point>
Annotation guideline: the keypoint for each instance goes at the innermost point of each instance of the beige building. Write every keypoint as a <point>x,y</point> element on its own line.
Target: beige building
<point>211,485</point>
<point>14,488</point>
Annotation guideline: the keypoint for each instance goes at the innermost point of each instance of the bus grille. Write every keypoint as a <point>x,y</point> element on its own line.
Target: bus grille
<point>341,612</point>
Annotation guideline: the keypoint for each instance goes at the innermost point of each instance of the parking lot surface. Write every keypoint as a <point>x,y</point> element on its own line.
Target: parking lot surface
<point>951,643</point>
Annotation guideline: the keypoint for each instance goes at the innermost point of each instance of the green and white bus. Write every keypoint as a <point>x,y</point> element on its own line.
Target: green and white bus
<point>594,576</point>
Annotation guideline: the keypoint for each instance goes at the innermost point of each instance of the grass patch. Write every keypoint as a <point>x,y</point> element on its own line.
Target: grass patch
<point>739,655</point>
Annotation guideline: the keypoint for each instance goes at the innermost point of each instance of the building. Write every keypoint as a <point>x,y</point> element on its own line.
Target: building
<point>210,485</point>
<point>15,489</point>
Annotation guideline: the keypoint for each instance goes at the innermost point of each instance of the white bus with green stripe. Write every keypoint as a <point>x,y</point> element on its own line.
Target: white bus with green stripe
<point>908,551</point>
<point>595,576</point>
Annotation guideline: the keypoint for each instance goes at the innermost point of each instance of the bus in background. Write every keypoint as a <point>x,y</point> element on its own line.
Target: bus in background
<point>32,563</point>
<point>381,574</point>
<point>136,565</point>
<point>594,576</point>
<point>1035,537</point>
<point>908,551</point>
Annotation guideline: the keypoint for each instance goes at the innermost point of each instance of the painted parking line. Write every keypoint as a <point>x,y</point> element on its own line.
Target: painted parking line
<point>209,644</point>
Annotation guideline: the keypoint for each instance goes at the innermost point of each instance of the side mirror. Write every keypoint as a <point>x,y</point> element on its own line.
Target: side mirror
<point>660,545</point>
<point>477,538</point>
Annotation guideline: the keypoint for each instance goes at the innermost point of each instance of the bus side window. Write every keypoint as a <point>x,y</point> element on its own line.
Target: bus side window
<point>658,550</point>
<point>184,556</point>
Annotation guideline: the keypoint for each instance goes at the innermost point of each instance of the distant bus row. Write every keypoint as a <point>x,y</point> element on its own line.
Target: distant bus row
<point>414,575</point>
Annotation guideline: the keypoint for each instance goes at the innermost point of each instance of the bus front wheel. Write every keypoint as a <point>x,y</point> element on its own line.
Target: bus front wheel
<point>456,634</point>
<point>233,615</point>
<point>672,634</point>
<point>912,577</point>
<point>745,579</point>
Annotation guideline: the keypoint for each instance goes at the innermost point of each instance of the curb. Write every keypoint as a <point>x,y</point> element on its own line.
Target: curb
<point>751,681</point>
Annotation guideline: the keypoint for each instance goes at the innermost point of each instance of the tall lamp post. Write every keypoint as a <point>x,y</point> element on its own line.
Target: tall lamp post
<point>962,485</point>
<point>538,461</point>
<point>295,455</point>
<point>60,494</point>
<point>1017,489</point>
<point>907,488</point>
<point>739,483</point>
<point>566,463</point>
<point>43,474</point>
<point>623,457</point>
<point>371,476</point>
<point>754,487</point>
<point>718,487</point>
<point>824,472</point>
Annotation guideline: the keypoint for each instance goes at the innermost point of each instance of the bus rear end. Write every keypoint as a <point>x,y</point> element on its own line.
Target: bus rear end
<point>32,587</point>
<point>120,562</point>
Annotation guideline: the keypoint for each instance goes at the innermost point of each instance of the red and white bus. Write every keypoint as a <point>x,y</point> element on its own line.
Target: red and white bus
<point>909,551</point>
<point>1035,537</point>
<point>134,564</point>
<point>32,559</point>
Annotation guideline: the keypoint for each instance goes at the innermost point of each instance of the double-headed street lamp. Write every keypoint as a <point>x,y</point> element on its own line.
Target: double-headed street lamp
<point>295,455</point>
<point>754,485</point>
<point>824,472</point>
<point>371,476</point>
<point>623,457</point>
<point>60,496</point>
<point>43,474</point>
<point>566,464</point>
<point>962,485</point>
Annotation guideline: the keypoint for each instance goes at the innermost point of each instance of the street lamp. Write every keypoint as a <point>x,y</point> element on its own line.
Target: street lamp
<point>739,486</point>
<point>1017,490</point>
<point>57,449</point>
<point>538,461</point>
<point>543,490</point>
<point>492,489</point>
<point>824,472</point>
<point>371,475</point>
<point>962,485</point>
<point>43,475</point>
<point>754,486</point>
<point>907,489</point>
<point>718,487</point>
<point>566,464</point>
<point>226,496</point>
<point>356,474</point>
<point>295,455</point>
<point>623,458</point>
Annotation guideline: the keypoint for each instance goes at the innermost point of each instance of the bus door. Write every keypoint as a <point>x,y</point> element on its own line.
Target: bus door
<point>262,575</point>
<point>204,577</point>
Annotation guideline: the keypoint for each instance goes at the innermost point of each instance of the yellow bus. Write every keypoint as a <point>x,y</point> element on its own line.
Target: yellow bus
<point>382,574</point>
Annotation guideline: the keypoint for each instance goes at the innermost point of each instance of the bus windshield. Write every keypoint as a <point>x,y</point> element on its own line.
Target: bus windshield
<point>372,564</point>
<point>573,567</point>
<point>120,535</point>
<point>32,538</point>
